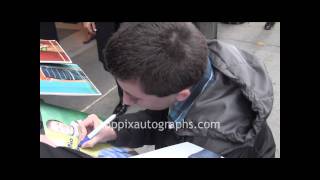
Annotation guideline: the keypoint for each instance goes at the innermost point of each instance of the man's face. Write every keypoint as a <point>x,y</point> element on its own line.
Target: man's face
<point>133,94</point>
<point>61,127</point>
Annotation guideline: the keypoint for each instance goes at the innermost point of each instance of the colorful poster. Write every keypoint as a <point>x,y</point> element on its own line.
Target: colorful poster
<point>52,52</point>
<point>65,79</point>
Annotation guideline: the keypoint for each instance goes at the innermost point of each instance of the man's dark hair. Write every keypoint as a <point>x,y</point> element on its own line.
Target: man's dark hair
<point>164,57</point>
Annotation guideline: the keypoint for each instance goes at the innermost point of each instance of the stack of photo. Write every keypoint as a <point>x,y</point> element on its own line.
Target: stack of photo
<point>59,76</point>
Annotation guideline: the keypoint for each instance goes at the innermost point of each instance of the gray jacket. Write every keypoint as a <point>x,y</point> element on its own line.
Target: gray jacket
<point>238,102</point>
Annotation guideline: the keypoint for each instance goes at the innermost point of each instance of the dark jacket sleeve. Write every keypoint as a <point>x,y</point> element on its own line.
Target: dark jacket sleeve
<point>134,137</point>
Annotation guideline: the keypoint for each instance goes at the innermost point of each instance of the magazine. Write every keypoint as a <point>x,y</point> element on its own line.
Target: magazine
<point>65,79</point>
<point>60,127</point>
<point>52,52</point>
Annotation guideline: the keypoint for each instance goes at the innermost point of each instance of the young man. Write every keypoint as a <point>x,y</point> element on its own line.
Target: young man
<point>179,77</point>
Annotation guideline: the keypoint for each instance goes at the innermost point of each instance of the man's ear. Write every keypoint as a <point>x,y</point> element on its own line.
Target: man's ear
<point>183,95</point>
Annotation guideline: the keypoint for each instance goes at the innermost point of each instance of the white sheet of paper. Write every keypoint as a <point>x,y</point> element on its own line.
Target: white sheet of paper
<point>182,150</point>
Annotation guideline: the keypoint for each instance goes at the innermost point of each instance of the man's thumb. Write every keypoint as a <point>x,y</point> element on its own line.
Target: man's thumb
<point>91,143</point>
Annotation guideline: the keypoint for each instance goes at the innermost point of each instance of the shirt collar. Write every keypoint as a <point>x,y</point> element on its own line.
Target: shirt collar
<point>179,109</point>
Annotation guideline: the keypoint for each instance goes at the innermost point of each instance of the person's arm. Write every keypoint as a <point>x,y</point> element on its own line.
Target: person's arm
<point>125,132</point>
<point>90,26</point>
<point>133,131</point>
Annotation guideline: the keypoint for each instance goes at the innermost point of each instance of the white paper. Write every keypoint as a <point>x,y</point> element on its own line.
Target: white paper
<point>182,150</point>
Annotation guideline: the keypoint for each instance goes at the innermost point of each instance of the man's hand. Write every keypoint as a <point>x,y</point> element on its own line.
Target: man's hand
<point>88,125</point>
<point>90,26</point>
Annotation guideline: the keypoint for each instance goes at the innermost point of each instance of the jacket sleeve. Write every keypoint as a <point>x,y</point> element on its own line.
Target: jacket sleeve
<point>263,146</point>
<point>132,129</point>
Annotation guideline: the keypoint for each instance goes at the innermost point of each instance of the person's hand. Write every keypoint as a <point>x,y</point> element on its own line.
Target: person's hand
<point>88,125</point>
<point>90,26</point>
